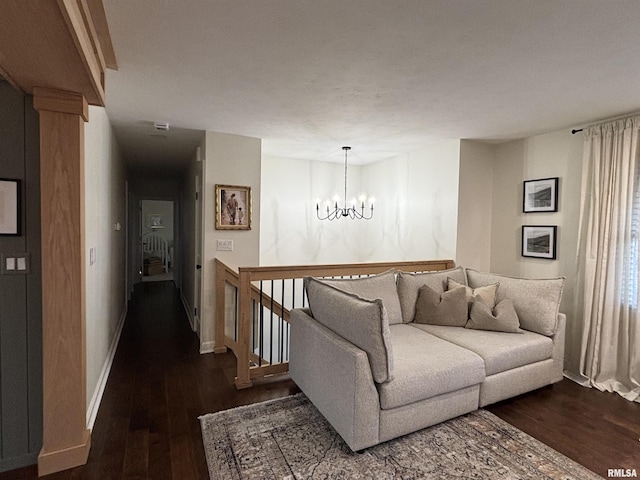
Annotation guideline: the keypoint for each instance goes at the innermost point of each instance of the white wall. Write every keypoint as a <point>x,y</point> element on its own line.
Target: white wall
<point>105,195</point>
<point>415,209</point>
<point>556,154</point>
<point>475,205</point>
<point>230,160</point>
<point>291,234</point>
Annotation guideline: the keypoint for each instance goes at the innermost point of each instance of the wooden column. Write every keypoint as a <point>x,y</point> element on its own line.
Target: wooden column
<point>66,439</point>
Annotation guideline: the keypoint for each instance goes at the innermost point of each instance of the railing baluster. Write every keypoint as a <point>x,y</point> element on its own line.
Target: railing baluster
<point>260,350</point>
<point>271,327</point>
<point>280,322</point>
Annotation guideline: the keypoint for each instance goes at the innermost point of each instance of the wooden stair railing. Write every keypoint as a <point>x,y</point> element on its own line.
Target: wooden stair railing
<point>251,301</point>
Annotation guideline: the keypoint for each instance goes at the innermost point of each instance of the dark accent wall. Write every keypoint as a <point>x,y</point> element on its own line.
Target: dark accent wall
<point>21,294</point>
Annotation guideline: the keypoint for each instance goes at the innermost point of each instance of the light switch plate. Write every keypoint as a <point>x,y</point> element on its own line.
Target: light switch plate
<point>16,264</point>
<point>225,245</point>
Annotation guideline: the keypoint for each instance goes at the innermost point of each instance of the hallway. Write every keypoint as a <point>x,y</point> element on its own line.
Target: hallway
<point>159,384</point>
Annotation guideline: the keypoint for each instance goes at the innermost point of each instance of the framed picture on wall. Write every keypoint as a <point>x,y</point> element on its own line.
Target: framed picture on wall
<point>233,207</point>
<point>539,241</point>
<point>9,206</point>
<point>155,220</point>
<point>540,195</point>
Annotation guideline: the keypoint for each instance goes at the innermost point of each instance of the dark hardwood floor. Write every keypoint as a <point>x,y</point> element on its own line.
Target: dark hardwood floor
<point>147,425</point>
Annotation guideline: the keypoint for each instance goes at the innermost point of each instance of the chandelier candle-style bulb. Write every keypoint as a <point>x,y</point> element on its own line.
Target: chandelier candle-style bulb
<point>353,212</point>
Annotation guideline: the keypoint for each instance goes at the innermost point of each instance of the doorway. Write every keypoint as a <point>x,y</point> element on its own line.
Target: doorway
<point>158,240</point>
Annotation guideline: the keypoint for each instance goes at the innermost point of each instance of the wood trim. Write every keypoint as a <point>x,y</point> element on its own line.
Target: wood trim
<point>72,12</point>
<point>259,372</point>
<point>298,271</point>
<point>101,25</point>
<point>75,456</point>
<point>66,439</point>
<point>60,101</point>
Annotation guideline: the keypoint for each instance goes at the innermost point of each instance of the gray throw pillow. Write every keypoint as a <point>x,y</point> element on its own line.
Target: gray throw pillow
<point>487,294</point>
<point>358,320</point>
<point>503,318</point>
<point>537,301</point>
<point>382,286</point>
<point>448,308</point>
<point>410,283</point>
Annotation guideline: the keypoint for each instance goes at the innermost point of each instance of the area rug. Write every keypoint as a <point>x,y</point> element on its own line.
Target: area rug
<point>289,439</point>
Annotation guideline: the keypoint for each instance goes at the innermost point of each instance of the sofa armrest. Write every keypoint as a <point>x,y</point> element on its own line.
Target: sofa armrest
<point>558,347</point>
<point>336,376</point>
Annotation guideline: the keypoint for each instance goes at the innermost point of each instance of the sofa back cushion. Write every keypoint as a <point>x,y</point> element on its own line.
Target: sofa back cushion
<point>448,308</point>
<point>536,301</point>
<point>382,286</point>
<point>409,284</point>
<point>361,321</point>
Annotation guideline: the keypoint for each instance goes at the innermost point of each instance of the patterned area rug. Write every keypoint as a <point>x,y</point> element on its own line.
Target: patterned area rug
<point>289,439</point>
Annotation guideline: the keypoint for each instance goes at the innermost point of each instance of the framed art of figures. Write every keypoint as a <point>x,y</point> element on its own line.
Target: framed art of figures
<point>540,195</point>
<point>9,207</point>
<point>233,207</point>
<point>539,241</point>
<point>155,221</point>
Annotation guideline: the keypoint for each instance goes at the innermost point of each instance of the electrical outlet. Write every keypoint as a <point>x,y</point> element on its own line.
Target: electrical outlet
<point>225,245</point>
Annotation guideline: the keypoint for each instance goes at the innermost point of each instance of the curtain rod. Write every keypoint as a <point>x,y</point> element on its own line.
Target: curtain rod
<point>603,120</point>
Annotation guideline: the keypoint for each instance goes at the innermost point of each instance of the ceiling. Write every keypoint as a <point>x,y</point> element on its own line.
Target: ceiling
<point>309,76</point>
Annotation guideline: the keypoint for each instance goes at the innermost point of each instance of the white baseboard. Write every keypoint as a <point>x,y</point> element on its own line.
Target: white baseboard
<point>94,404</point>
<point>207,347</point>
<point>188,310</point>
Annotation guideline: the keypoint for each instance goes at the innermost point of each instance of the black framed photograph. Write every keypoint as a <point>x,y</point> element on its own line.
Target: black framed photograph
<point>233,207</point>
<point>540,195</point>
<point>9,207</point>
<point>539,241</point>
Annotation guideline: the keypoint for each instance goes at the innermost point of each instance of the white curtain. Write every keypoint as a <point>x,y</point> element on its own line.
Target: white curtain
<point>607,290</point>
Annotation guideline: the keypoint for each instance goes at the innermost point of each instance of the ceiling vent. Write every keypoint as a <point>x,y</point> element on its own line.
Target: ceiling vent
<point>161,126</point>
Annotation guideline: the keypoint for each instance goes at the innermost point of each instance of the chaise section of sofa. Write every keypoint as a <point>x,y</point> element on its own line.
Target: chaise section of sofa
<point>376,374</point>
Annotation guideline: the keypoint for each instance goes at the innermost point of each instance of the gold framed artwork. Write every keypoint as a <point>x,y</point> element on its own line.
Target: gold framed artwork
<point>233,207</point>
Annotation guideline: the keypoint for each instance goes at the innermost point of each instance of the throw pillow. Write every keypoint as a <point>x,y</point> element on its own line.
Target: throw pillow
<point>537,301</point>
<point>410,283</point>
<point>487,294</point>
<point>502,318</point>
<point>358,320</point>
<point>448,308</point>
<point>382,286</point>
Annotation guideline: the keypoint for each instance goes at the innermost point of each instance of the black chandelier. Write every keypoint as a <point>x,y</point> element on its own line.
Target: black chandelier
<point>351,212</point>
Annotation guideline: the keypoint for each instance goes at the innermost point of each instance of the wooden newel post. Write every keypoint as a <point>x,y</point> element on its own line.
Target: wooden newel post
<point>243,378</point>
<point>66,439</point>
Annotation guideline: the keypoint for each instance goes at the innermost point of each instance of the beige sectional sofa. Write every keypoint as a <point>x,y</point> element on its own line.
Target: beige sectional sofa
<point>390,354</point>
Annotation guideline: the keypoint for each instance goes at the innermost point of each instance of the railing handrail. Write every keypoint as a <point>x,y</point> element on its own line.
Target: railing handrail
<point>327,270</point>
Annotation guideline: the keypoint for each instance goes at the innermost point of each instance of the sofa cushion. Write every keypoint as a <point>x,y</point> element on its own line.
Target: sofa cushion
<point>503,317</point>
<point>361,321</point>
<point>382,286</point>
<point>447,308</point>
<point>537,301</point>
<point>426,366</point>
<point>487,293</point>
<point>500,351</point>
<point>410,283</point>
